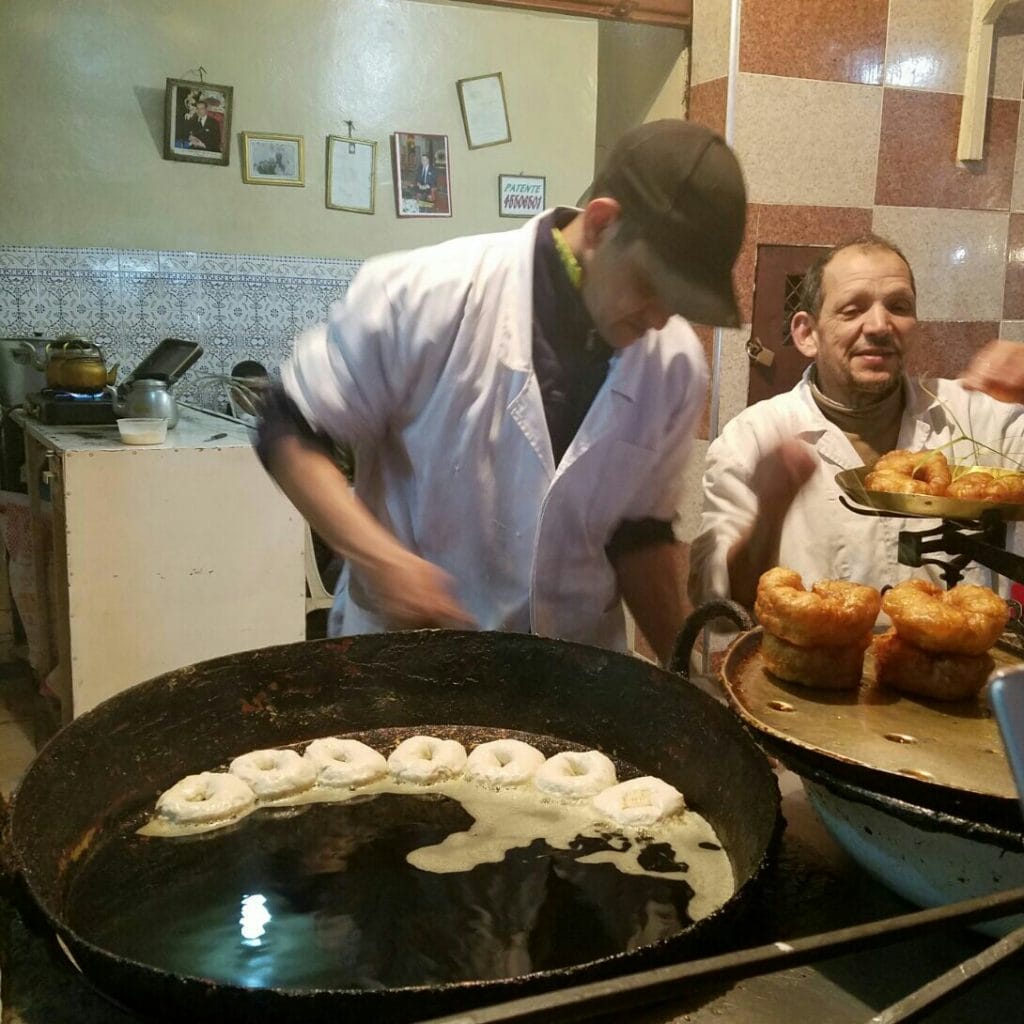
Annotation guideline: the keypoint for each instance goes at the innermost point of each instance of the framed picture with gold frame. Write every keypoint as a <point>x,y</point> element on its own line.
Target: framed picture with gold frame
<point>269,159</point>
<point>351,174</point>
<point>197,122</point>
<point>484,112</point>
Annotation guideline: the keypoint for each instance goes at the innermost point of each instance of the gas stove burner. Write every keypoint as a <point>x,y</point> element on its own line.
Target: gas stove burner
<point>60,395</point>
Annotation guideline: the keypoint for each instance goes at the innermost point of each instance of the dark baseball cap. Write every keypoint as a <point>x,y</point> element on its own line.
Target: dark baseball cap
<point>682,187</point>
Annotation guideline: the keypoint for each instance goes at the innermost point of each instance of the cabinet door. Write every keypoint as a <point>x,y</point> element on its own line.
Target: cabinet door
<point>175,556</point>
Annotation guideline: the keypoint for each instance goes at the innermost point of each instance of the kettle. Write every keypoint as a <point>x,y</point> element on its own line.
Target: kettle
<point>70,363</point>
<point>147,398</point>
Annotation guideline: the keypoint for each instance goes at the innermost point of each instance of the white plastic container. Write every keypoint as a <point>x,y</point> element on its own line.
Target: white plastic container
<point>143,431</point>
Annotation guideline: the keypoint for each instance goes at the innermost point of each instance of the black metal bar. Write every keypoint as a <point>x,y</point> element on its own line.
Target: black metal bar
<point>663,983</point>
<point>953,981</point>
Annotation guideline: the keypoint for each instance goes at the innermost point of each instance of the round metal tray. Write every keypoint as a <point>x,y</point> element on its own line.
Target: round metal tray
<point>953,744</point>
<point>851,483</point>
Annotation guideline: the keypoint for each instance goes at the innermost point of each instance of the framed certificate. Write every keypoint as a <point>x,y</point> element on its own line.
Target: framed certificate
<point>483,110</point>
<point>351,174</point>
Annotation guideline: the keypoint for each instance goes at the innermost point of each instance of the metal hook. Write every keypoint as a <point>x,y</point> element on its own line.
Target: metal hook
<point>200,71</point>
<point>351,145</point>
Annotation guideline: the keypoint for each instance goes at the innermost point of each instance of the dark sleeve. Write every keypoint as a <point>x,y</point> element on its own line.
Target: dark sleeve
<point>639,533</point>
<point>280,418</point>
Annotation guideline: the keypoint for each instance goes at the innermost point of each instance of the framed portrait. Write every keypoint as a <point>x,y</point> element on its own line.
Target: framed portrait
<point>272,159</point>
<point>520,195</point>
<point>483,110</point>
<point>423,185</point>
<point>197,122</point>
<point>351,174</point>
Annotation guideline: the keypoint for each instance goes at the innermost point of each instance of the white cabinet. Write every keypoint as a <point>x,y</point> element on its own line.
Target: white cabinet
<point>163,555</point>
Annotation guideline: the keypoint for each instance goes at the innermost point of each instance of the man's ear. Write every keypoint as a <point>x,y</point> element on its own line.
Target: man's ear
<point>804,329</point>
<point>599,216</point>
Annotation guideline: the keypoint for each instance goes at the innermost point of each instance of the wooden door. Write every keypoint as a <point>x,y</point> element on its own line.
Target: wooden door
<point>779,271</point>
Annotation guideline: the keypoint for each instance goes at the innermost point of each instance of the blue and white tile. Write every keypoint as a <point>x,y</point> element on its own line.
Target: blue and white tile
<point>57,260</point>
<point>216,262</point>
<point>178,262</point>
<point>104,261</point>
<point>18,257</point>
<point>18,295</point>
<point>255,266</point>
<point>139,261</point>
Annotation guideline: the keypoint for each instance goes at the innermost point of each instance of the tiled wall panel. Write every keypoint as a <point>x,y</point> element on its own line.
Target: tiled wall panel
<point>247,306</point>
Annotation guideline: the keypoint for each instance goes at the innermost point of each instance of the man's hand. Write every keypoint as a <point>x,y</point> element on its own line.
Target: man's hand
<point>779,476</point>
<point>412,593</point>
<point>776,481</point>
<point>998,370</point>
<point>196,143</point>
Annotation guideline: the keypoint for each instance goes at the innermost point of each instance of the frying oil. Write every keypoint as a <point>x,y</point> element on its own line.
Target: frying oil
<point>397,885</point>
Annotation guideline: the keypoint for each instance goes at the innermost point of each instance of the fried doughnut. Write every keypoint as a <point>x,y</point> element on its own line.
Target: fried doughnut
<point>906,472</point>
<point>574,775</point>
<point>204,798</point>
<point>341,762</point>
<point>427,759</point>
<point>982,486</point>
<point>831,613</point>
<point>273,774</point>
<point>900,665</point>
<point>823,667</point>
<point>503,763</point>
<point>967,619</point>
<point>643,801</point>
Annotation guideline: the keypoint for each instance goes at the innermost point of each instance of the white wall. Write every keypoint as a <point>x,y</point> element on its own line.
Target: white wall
<point>83,106</point>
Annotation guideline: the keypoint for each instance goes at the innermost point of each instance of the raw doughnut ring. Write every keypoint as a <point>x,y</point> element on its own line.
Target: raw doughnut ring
<point>823,667</point>
<point>908,472</point>
<point>272,774</point>
<point>209,796</point>
<point>427,759</point>
<point>503,763</point>
<point>340,762</point>
<point>575,775</point>
<point>902,666</point>
<point>964,620</point>
<point>831,613</point>
<point>643,801</point>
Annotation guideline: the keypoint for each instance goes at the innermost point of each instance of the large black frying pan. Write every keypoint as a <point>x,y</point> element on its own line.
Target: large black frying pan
<point>124,752</point>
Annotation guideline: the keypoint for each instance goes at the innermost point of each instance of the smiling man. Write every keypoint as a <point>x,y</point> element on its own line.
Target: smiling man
<point>770,496</point>
<point>521,406</point>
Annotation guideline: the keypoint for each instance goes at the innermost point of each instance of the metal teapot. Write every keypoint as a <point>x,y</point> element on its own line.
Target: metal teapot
<point>71,363</point>
<point>144,399</point>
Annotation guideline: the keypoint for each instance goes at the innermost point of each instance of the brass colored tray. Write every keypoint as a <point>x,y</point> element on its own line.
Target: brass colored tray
<point>953,744</point>
<point>851,482</point>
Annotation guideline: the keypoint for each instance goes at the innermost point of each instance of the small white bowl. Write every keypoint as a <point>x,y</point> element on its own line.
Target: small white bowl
<point>143,431</point>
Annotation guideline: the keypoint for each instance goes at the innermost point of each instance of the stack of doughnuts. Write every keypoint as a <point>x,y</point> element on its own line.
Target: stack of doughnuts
<point>938,646</point>
<point>929,472</point>
<point>815,637</point>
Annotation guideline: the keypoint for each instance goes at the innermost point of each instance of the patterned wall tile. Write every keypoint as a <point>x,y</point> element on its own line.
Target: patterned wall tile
<point>928,44</point>
<point>835,42</point>
<point>1013,294</point>
<point>248,306</point>
<point>917,155</point>
<point>945,348</point>
<point>712,21</point>
<point>958,258</point>
<point>707,104</point>
<point>808,143</point>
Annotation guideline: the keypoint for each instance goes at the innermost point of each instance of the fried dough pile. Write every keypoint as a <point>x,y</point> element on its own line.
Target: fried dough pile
<point>816,637</point>
<point>929,472</point>
<point>938,646</point>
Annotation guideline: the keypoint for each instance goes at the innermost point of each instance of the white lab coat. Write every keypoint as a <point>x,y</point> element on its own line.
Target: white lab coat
<point>425,369</point>
<point>820,538</point>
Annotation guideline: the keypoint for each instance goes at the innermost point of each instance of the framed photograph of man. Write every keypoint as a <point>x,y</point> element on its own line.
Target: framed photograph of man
<point>423,186</point>
<point>273,159</point>
<point>197,122</point>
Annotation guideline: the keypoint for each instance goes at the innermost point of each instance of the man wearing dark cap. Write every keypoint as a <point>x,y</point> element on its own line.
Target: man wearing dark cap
<point>520,407</point>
